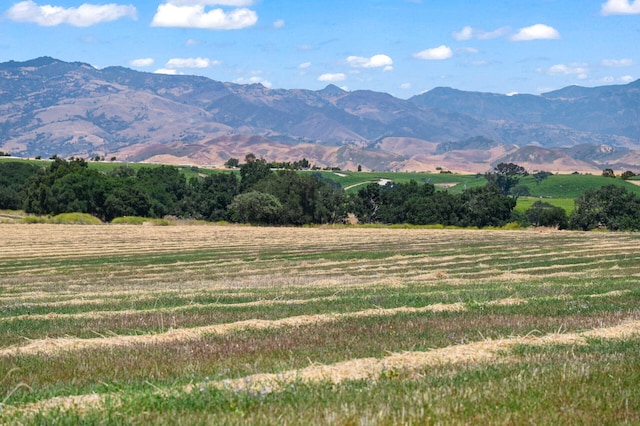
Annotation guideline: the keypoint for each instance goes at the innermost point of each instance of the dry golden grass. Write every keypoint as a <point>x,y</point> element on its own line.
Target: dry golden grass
<point>68,274</point>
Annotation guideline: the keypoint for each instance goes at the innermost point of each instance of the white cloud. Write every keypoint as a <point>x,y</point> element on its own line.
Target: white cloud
<point>191,42</point>
<point>253,80</point>
<point>332,77</point>
<point>166,71</point>
<point>376,61</point>
<point>177,63</point>
<point>405,86</point>
<point>627,79</point>
<point>579,70</point>
<point>435,54</point>
<point>84,15</point>
<point>279,23</point>
<point>620,7</point>
<point>536,32</point>
<point>617,62</point>
<point>192,14</point>
<point>142,62</point>
<point>467,33</point>
<point>304,65</point>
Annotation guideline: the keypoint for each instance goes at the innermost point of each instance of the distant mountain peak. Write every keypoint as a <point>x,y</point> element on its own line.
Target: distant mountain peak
<point>332,89</point>
<point>75,109</point>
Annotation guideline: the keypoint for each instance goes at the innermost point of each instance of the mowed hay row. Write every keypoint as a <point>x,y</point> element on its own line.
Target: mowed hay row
<point>410,365</point>
<point>97,308</point>
<point>188,259</point>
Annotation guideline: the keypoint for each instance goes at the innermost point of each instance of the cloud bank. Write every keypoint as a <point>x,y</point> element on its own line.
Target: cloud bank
<point>193,14</point>
<point>332,77</point>
<point>435,54</point>
<point>177,63</point>
<point>536,32</point>
<point>142,62</point>
<point>376,61</point>
<point>84,15</point>
<point>620,7</point>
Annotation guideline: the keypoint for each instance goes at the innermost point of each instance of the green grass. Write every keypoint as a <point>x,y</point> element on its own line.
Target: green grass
<point>146,281</point>
<point>524,203</point>
<point>572,186</point>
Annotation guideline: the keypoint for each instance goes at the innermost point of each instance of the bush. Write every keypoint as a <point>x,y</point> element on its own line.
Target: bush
<point>75,218</point>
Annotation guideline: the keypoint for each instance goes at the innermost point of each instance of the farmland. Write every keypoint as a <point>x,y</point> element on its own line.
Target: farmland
<point>336,325</point>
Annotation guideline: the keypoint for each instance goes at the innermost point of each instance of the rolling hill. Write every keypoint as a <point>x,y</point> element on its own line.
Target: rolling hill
<point>52,107</point>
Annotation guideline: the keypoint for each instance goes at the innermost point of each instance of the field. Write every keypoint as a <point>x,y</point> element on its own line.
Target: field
<point>212,324</point>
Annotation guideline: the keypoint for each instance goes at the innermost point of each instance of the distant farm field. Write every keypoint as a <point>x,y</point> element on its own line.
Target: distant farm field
<point>123,324</point>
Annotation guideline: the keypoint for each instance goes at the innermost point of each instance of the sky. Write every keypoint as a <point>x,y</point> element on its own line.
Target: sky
<point>402,47</point>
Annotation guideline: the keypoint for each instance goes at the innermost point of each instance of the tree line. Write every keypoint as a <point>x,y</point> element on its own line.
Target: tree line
<point>260,195</point>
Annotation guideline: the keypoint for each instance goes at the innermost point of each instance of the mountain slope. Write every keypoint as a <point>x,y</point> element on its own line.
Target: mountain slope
<point>48,107</point>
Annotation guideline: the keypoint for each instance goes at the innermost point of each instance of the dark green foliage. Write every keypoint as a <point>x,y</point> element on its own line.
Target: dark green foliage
<point>213,194</point>
<point>520,191</point>
<point>167,188</point>
<point>506,176</point>
<point>366,203</point>
<point>627,175</point>
<point>305,199</point>
<point>541,175</point>
<point>252,172</point>
<point>608,173</point>
<point>125,201</point>
<point>232,163</point>
<point>256,208</point>
<point>611,207</point>
<point>423,205</point>
<point>14,176</point>
<point>484,206</point>
<point>545,214</point>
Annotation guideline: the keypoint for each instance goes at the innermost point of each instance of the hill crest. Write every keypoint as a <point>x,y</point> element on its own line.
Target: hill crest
<point>73,109</point>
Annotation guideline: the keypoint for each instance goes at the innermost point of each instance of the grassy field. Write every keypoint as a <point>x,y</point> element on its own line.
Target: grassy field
<point>124,324</point>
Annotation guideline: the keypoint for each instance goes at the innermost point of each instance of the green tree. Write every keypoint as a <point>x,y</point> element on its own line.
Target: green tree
<point>611,207</point>
<point>484,206</point>
<point>252,172</point>
<point>14,176</point>
<point>167,188</point>
<point>232,163</point>
<point>545,214</point>
<point>305,199</point>
<point>367,202</point>
<point>627,175</point>
<point>505,176</point>
<point>608,173</point>
<point>213,195</point>
<point>540,176</point>
<point>256,208</point>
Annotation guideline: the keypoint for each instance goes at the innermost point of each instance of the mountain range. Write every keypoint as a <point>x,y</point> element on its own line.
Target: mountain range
<point>49,107</point>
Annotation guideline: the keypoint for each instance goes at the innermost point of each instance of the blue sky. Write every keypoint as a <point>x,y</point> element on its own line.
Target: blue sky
<point>402,47</point>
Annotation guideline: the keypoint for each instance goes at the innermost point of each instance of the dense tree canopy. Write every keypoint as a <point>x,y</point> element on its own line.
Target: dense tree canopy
<point>611,207</point>
<point>260,195</point>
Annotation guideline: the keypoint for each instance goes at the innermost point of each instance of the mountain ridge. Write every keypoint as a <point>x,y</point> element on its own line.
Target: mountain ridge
<point>73,109</point>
